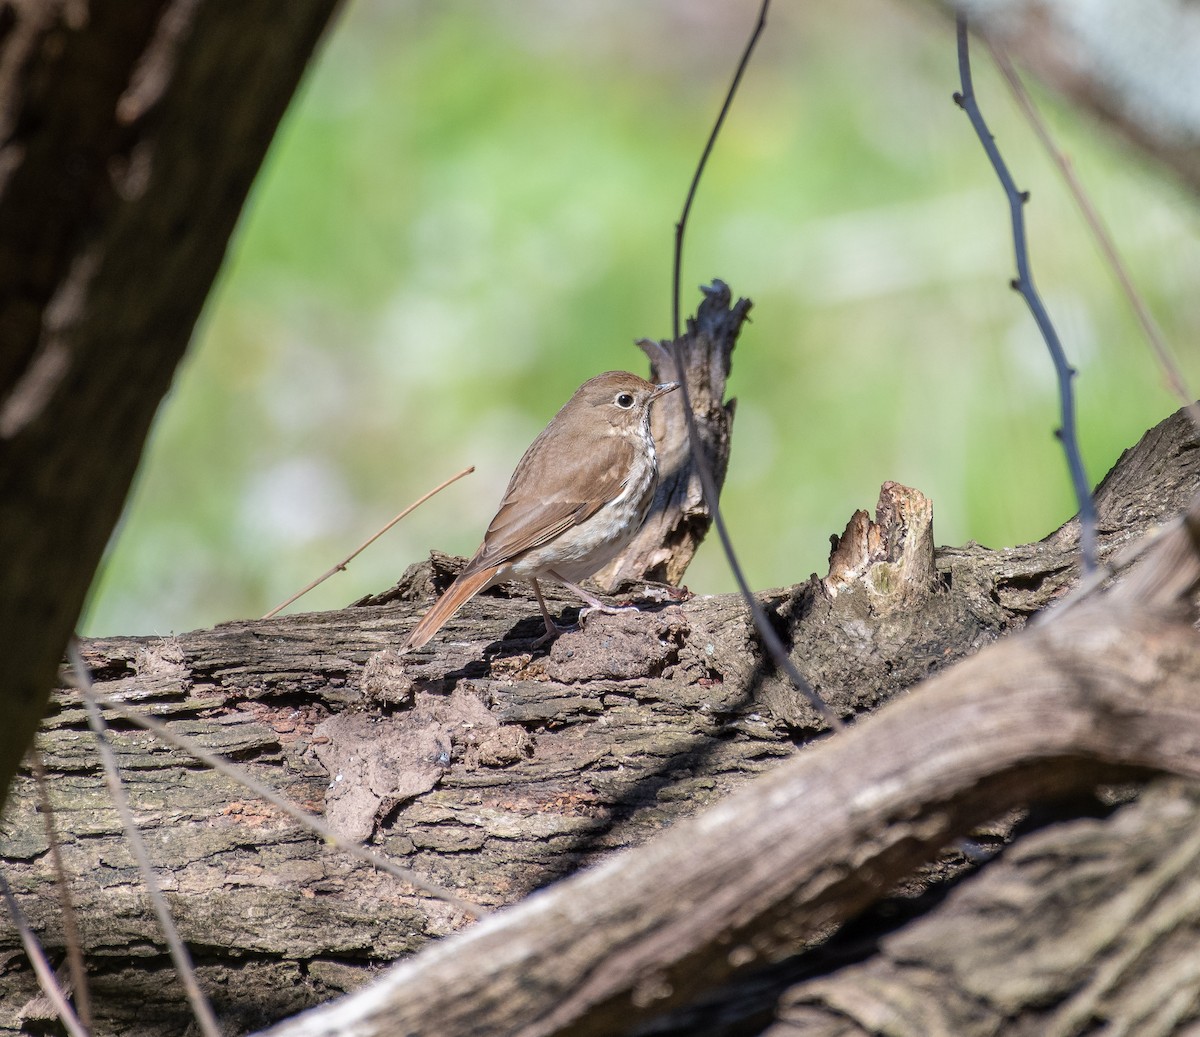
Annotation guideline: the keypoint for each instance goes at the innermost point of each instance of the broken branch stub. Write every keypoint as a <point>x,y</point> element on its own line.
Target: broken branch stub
<point>679,517</point>
<point>892,556</point>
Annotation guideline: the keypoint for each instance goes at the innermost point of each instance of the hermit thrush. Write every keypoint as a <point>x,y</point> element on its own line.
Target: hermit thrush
<point>576,499</point>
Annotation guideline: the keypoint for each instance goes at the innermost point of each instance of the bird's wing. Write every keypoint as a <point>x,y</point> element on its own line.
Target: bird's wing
<point>557,484</point>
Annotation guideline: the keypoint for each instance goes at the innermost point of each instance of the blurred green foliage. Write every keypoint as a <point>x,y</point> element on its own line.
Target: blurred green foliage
<point>469,210</point>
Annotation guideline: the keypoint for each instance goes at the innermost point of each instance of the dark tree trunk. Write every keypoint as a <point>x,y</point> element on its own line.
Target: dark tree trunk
<point>131,133</point>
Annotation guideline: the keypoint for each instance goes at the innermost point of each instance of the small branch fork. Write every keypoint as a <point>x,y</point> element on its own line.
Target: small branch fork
<point>1024,284</point>
<point>766,632</point>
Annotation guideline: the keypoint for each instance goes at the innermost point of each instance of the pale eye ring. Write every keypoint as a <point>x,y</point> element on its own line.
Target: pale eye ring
<point>624,400</point>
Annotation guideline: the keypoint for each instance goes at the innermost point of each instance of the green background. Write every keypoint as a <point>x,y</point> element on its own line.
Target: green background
<point>469,210</point>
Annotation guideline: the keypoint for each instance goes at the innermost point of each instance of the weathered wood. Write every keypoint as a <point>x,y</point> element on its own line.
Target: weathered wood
<point>1090,920</point>
<point>556,757</point>
<point>768,871</point>
<point>680,518</point>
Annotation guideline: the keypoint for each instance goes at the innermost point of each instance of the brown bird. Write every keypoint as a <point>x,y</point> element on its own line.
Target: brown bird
<point>576,499</point>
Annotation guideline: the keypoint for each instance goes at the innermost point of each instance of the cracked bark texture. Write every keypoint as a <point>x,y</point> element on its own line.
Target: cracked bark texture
<point>680,517</point>
<point>519,767</point>
<point>126,148</point>
<point>1090,921</point>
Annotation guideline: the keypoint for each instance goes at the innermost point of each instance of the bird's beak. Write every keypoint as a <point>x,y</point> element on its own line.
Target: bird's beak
<point>663,389</point>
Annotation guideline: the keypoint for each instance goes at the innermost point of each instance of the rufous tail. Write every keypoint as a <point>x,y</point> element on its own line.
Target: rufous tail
<point>459,593</point>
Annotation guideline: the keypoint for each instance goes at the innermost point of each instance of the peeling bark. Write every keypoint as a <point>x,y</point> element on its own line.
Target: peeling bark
<point>679,517</point>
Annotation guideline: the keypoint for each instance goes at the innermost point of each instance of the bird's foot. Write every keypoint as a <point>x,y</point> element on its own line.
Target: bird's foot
<point>553,630</point>
<point>593,603</point>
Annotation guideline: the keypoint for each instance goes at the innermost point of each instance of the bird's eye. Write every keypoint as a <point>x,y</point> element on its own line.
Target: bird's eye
<point>625,400</point>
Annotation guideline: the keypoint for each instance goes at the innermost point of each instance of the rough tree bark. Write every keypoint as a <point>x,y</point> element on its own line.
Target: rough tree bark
<point>516,768</point>
<point>680,518</point>
<point>1103,686</point>
<point>494,770</point>
<point>129,136</point>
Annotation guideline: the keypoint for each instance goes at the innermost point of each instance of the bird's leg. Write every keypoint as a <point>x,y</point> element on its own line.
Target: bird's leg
<point>593,603</point>
<point>552,628</point>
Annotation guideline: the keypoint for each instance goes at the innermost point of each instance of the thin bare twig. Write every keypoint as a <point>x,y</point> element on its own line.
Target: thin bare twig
<point>681,226</point>
<point>1171,371</point>
<point>41,965</point>
<point>298,814</point>
<point>762,624</point>
<point>201,1009</point>
<point>341,566</point>
<point>83,1000</point>
<point>1024,284</point>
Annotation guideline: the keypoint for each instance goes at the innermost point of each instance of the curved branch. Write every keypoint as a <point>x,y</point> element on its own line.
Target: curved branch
<point>1064,372</point>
